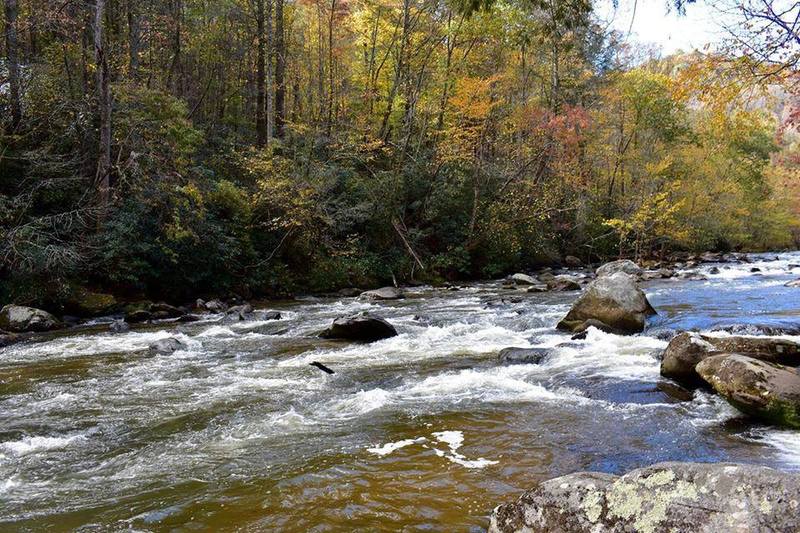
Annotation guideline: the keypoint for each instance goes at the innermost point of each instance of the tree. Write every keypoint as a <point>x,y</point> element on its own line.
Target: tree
<point>12,56</point>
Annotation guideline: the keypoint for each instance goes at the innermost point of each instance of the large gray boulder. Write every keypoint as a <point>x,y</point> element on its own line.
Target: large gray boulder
<point>384,293</point>
<point>767,391</point>
<point>614,300</point>
<point>563,283</point>
<point>623,265</point>
<point>361,327</point>
<point>21,319</point>
<point>666,497</point>
<point>686,350</point>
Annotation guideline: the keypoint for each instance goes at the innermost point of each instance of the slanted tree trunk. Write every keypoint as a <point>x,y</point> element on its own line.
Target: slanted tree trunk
<point>104,107</point>
<point>280,70</point>
<point>12,55</point>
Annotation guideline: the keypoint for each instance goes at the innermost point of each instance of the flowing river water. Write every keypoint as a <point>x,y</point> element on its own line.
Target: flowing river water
<point>423,431</point>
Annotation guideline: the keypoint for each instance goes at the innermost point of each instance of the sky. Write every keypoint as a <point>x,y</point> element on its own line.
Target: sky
<point>652,23</point>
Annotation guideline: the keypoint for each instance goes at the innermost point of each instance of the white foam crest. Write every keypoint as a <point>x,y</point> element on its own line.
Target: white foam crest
<point>217,331</point>
<point>85,345</point>
<point>425,342</point>
<point>608,355</point>
<point>786,442</point>
<point>36,444</point>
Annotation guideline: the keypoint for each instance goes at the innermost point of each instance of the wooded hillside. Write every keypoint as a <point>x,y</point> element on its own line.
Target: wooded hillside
<point>186,147</point>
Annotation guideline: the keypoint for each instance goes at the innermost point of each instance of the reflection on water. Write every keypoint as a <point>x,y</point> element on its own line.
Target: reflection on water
<point>420,431</point>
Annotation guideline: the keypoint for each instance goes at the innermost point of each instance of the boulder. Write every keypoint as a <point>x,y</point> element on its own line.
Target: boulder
<point>166,346</point>
<point>623,265</point>
<point>563,283</point>
<point>523,356</point>
<point>711,257</point>
<point>119,326</point>
<point>215,306</point>
<point>793,283</point>
<point>20,319</point>
<point>686,350</point>
<point>164,310</point>
<point>665,497</point>
<point>240,312</point>
<point>544,277</point>
<point>572,261</point>
<point>767,391</point>
<point>614,300</point>
<point>691,275</point>
<point>524,279</point>
<point>138,315</point>
<point>713,270</point>
<point>384,293</point>
<point>86,303</point>
<point>271,315</point>
<point>362,327</point>
<point>536,288</point>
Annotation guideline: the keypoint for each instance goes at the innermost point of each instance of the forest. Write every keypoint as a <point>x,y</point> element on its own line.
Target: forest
<point>175,148</point>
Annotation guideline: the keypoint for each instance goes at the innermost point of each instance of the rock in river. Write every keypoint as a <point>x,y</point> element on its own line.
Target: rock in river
<point>666,497</point>
<point>384,293</point>
<point>623,265</point>
<point>767,391</point>
<point>524,279</point>
<point>687,349</point>
<point>166,346</point>
<point>524,356</point>
<point>614,300</point>
<point>20,319</point>
<point>361,327</point>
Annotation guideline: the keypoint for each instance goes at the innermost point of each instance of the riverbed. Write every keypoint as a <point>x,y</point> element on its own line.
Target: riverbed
<point>423,431</point>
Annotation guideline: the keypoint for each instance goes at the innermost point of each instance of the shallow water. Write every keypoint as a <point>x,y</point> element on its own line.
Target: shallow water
<point>424,431</point>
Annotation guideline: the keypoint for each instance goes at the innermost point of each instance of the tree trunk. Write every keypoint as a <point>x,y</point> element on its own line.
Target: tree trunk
<point>280,70</point>
<point>104,107</point>
<point>270,111</point>
<point>134,39</point>
<point>261,84</point>
<point>12,55</point>
<point>331,79</point>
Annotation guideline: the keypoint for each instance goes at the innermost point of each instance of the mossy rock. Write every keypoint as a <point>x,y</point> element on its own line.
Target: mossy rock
<point>767,391</point>
<point>86,303</point>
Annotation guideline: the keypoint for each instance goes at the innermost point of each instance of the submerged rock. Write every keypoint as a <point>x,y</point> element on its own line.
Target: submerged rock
<point>271,315</point>
<point>523,355</point>
<point>665,497</point>
<point>615,301</point>
<point>623,265</point>
<point>361,327</point>
<point>21,319</point>
<point>768,391</point>
<point>686,350</point>
<point>384,293</point>
<point>166,346</point>
<point>138,315</point>
<point>793,283</point>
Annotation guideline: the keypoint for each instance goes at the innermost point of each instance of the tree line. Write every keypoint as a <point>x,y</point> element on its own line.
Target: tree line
<point>186,147</point>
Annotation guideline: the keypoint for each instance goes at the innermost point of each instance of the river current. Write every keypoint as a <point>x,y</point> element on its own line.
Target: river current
<point>423,431</point>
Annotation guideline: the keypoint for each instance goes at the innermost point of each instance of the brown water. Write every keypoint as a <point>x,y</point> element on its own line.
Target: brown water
<point>425,431</point>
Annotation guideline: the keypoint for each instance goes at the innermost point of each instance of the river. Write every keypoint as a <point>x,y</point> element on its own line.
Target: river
<point>423,431</point>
